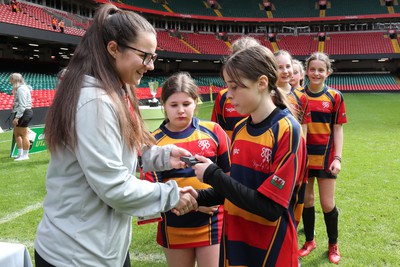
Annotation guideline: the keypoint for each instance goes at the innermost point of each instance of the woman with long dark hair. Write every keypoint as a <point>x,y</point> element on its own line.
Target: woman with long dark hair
<point>94,132</point>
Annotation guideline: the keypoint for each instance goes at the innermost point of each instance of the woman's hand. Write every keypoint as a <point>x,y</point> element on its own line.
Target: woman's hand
<point>15,122</point>
<point>200,168</point>
<point>176,154</point>
<point>187,201</point>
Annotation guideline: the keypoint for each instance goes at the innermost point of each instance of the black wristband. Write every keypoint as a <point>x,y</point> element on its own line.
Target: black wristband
<point>338,158</point>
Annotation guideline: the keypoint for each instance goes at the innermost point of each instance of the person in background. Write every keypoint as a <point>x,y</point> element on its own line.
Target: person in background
<point>94,132</point>
<point>224,113</point>
<point>14,6</point>
<point>194,237</point>
<point>324,146</point>
<point>269,163</point>
<point>297,80</point>
<point>23,114</point>
<point>54,23</point>
<point>61,25</point>
<point>297,99</point>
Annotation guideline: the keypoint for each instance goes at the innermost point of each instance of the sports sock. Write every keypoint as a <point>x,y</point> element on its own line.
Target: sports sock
<point>25,153</point>
<point>331,222</point>
<point>20,152</point>
<point>309,222</point>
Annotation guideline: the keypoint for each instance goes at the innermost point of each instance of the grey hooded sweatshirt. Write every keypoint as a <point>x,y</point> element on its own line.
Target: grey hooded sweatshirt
<point>92,192</point>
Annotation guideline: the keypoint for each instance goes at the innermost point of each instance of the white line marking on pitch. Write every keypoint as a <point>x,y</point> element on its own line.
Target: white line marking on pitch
<point>16,214</point>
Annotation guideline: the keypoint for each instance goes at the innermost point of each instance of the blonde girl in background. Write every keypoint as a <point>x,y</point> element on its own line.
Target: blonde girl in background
<point>297,99</point>
<point>297,80</point>
<point>324,147</point>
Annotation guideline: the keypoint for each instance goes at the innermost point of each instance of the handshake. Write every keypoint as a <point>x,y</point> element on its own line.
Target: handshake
<point>187,201</point>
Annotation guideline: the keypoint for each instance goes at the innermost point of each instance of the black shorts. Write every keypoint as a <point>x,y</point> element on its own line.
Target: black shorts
<point>25,119</point>
<point>321,174</point>
<point>40,262</point>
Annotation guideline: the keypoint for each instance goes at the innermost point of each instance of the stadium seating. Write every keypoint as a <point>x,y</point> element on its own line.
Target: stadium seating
<point>171,44</point>
<point>280,9</point>
<point>29,16</point>
<point>43,85</point>
<point>34,17</point>
<point>300,45</point>
<point>364,82</point>
<point>356,43</point>
<point>350,8</point>
<point>206,43</point>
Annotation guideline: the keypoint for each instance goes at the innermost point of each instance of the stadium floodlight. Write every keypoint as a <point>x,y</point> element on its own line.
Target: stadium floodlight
<point>33,44</point>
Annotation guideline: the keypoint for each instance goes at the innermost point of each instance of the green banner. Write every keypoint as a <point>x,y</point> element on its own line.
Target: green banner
<point>36,138</point>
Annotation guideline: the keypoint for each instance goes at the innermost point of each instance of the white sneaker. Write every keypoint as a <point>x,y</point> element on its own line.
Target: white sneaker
<point>22,158</point>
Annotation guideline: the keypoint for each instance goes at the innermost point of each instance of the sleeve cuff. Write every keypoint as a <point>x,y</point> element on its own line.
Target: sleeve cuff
<point>209,173</point>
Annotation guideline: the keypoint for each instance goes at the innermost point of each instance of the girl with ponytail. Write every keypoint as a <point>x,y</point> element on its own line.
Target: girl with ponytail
<point>269,163</point>
<point>94,133</point>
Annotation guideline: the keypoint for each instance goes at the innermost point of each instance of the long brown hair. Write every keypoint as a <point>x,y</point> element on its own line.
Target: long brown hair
<point>251,63</point>
<point>92,58</point>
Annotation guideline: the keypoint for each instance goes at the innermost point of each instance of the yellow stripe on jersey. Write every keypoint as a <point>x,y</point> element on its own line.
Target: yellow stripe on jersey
<point>191,181</point>
<point>166,140</point>
<point>318,128</point>
<point>232,209</point>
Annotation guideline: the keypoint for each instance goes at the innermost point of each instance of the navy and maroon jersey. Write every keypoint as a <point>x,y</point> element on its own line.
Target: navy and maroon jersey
<point>224,113</point>
<point>327,109</point>
<point>269,157</point>
<point>299,102</point>
<point>193,229</point>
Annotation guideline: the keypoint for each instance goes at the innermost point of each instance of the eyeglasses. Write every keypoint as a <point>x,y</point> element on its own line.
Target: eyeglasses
<point>147,57</point>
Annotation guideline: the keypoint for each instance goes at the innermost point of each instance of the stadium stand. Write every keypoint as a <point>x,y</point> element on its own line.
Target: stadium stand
<point>207,39</point>
<point>355,43</point>
<point>300,45</point>
<point>43,85</point>
<point>351,8</point>
<point>206,43</point>
<point>37,17</point>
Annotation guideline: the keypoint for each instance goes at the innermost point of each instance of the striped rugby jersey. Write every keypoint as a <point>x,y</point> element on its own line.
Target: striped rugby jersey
<point>271,158</point>
<point>299,102</point>
<point>194,229</point>
<point>224,113</point>
<point>327,109</point>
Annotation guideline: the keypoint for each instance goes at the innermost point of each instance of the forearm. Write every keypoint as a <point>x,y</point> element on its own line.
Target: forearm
<point>208,197</point>
<point>156,158</point>
<point>242,196</point>
<point>338,139</point>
